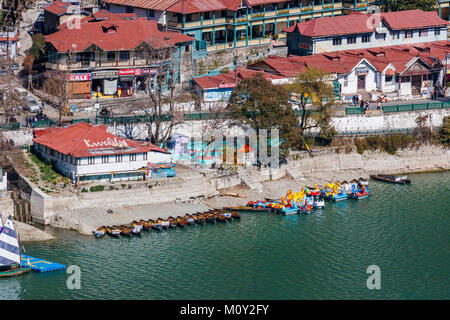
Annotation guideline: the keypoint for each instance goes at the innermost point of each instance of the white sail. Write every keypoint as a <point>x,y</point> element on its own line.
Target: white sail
<point>9,245</point>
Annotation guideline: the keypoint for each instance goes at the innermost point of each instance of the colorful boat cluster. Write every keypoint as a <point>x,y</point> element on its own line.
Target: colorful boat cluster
<point>303,202</point>
<point>160,224</point>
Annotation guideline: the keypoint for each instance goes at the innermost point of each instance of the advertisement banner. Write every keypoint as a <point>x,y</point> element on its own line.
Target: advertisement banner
<point>105,74</point>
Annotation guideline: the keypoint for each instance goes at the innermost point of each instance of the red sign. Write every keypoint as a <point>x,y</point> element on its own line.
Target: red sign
<point>125,72</point>
<point>79,77</point>
<point>227,85</point>
<point>304,46</point>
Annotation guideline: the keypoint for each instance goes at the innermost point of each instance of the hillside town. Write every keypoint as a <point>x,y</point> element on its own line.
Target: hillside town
<point>116,111</point>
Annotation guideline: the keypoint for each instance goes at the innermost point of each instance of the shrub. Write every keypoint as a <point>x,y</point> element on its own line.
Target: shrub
<point>445,131</point>
<point>96,188</point>
<point>225,70</point>
<point>84,190</point>
<point>123,185</point>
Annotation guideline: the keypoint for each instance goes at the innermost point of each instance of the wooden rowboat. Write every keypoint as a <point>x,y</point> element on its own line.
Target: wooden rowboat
<point>100,232</point>
<point>15,271</point>
<point>391,179</point>
<point>113,231</point>
<point>125,230</point>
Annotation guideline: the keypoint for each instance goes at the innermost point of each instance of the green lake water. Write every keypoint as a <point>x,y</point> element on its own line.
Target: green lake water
<point>402,229</point>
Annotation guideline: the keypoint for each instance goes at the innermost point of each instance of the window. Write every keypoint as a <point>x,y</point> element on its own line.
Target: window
<point>206,16</point>
<point>78,161</point>
<point>124,55</point>
<point>132,156</point>
<point>423,33</point>
<point>380,36</point>
<point>406,79</point>
<point>139,54</point>
<point>366,38</point>
<point>337,41</point>
<point>187,48</point>
<point>351,40</point>
<point>150,13</point>
<point>346,81</point>
<point>408,34</point>
<point>129,9</point>
<point>118,158</point>
<point>91,160</point>
<point>144,156</point>
<point>111,56</point>
<point>104,159</point>
<point>437,31</point>
<point>388,78</point>
<point>188,17</point>
<point>396,35</point>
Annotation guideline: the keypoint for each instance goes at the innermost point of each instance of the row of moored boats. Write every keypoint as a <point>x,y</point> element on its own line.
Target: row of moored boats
<point>314,197</point>
<point>160,224</point>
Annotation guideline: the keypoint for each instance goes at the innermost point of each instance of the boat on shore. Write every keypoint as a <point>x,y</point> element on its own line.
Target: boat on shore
<point>125,230</point>
<point>10,257</point>
<point>100,232</point>
<point>113,231</point>
<point>391,178</point>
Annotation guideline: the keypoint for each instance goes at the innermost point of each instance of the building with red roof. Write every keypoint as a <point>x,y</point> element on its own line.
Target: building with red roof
<point>115,55</point>
<point>404,70</point>
<point>362,30</point>
<point>60,12</point>
<point>9,40</point>
<point>84,151</point>
<point>227,24</point>
<point>219,87</point>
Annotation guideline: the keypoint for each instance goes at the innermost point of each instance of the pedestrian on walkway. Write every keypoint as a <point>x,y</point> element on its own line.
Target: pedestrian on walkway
<point>378,105</point>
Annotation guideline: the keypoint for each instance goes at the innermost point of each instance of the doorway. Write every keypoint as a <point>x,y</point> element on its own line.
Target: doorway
<point>362,82</point>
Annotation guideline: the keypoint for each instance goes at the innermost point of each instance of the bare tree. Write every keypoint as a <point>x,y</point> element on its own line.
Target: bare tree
<point>157,108</point>
<point>56,89</point>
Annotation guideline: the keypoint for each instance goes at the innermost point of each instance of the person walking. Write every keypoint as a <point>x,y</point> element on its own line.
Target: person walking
<point>378,105</point>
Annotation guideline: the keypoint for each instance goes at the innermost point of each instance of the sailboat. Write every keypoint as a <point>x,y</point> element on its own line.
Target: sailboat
<point>10,260</point>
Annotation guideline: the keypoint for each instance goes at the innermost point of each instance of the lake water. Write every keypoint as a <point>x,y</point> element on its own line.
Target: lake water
<point>402,229</point>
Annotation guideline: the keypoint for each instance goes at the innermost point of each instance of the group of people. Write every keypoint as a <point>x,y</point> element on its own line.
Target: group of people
<point>40,116</point>
<point>364,105</point>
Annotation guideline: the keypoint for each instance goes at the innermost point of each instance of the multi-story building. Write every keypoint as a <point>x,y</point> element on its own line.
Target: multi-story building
<point>227,24</point>
<point>361,31</point>
<point>61,12</point>
<point>115,55</point>
<point>86,152</point>
<point>9,43</point>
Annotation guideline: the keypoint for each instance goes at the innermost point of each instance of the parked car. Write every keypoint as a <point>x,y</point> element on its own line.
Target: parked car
<point>31,104</point>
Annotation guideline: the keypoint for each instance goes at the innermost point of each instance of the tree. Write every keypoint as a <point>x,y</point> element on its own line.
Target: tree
<point>56,89</point>
<point>157,109</point>
<point>34,53</point>
<point>399,5</point>
<point>261,105</point>
<point>316,98</point>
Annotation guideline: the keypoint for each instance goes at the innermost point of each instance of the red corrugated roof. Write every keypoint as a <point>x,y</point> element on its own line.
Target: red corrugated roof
<point>193,6</point>
<point>213,82</point>
<point>357,23</point>
<point>85,140</point>
<point>343,62</point>
<point>58,8</point>
<point>114,34</point>
<point>160,5</point>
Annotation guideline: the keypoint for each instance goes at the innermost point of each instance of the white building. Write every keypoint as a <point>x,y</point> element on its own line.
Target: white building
<point>363,31</point>
<point>3,183</point>
<point>86,152</point>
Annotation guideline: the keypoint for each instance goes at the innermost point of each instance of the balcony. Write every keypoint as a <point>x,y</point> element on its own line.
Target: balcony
<point>83,65</point>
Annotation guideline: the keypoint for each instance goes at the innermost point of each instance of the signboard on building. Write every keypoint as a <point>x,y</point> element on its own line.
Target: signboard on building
<point>304,46</point>
<point>126,72</point>
<point>227,85</point>
<point>139,72</point>
<point>360,71</point>
<point>79,77</point>
<point>105,74</point>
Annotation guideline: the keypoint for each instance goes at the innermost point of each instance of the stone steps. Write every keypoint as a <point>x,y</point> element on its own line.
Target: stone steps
<point>250,181</point>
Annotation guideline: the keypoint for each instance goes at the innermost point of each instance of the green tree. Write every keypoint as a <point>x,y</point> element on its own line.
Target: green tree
<point>445,131</point>
<point>261,105</point>
<point>315,96</point>
<point>398,5</point>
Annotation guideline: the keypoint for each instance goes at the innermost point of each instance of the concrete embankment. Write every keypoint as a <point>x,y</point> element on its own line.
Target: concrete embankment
<point>28,233</point>
<point>200,195</point>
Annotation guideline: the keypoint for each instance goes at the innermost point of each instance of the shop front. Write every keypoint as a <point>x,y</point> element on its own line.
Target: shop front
<point>105,83</point>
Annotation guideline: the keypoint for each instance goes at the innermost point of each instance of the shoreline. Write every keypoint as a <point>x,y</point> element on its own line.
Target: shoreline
<point>303,172</point>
